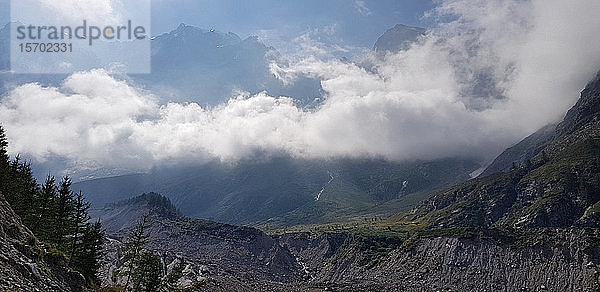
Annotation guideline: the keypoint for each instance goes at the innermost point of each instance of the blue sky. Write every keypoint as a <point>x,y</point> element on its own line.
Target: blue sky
<point>358,23</point>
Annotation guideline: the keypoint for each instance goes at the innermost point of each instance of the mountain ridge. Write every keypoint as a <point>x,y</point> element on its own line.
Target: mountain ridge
<point>398,38</point>
<point>281,186</point>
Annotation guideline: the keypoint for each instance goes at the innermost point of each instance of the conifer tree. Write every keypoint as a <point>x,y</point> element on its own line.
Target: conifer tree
<point>143,268</point>
<point>88,251</point>
<point>147,273</point>
<point>43,209</point>
<point>80,219</point>
<point>20,187</point>
<point>4,159</point>
<point>63,214</point>
<point>134,246</point>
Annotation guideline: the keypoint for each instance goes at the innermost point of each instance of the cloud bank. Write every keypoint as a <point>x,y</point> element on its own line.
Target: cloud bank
<point>532,58</point>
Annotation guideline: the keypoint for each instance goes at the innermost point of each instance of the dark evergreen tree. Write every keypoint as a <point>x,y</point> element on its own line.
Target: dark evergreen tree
<point>80,219</point>
<point>63,215</point>
<point>4,159</point>
<point>144,269</point>
<point>146,275</point>
<point>133,248</point>
<point>88,251</point>
<point>43,210</point>
<point>20,188</point>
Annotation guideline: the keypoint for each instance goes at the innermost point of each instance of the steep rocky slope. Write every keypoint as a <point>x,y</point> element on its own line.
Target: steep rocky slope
<point>558,187</point>
<point>219,256</point>
<point>522,151</point>
<point>562,260</point>
<point>25,265</point>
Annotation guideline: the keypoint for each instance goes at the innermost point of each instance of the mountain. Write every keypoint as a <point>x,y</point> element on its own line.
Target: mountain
<point>283,191</point>
<point>524,150</point>
<point>558,187</point>
<point>218,257</point>
<point>398,38</point>
<point>26,264</point>
<point>193,64</point>
<point>190,64</point>
<point>534,227</point>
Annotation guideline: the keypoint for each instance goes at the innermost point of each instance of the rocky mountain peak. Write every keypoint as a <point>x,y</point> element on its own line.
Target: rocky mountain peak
<point>398,38</point>
<point>587,108</point>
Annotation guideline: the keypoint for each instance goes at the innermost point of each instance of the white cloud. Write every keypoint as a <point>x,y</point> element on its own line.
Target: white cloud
<point>362,8</point>
<point>94,11</point>
<point>537,54</point>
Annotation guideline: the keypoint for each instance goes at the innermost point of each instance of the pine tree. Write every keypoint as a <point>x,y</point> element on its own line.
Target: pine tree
<point>19,188</point>
<point>88,251</point>
<point>29,188</point>
<point>63,211</point>
<point>43,209</point>
<point>4,159</point>
<point>80,219</point>
<point>143,268</point>
<point>147,273</point>
<point>134,246</point>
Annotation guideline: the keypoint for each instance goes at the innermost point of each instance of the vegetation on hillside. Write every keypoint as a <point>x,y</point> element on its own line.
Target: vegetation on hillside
<point>142,269</point>
<point>54,213</point>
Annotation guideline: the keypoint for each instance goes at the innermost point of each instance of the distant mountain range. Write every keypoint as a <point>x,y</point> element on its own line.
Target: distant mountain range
<point>206,66</point>
<point>281,192</point>
<point>190,64</point>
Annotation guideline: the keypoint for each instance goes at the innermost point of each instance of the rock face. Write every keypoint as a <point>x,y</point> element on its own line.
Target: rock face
<point>25,265</point>
<point>230,258</point>
<point>522,151</point>
<point>219,252</point>
<point>398,38</point>
<point>557,187</point>
<point>565,262</point>
<point>313,252</point>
